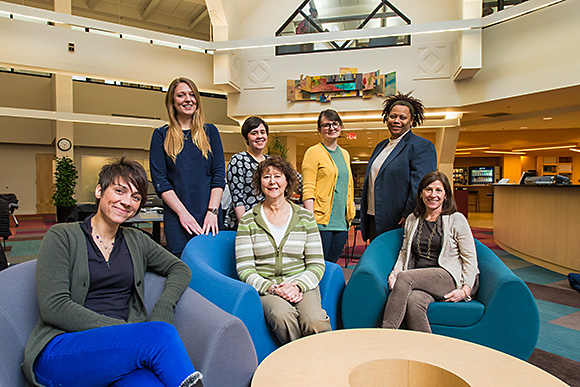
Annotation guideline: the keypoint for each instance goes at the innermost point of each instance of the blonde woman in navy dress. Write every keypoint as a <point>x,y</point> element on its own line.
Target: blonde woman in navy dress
<point>187,167</point>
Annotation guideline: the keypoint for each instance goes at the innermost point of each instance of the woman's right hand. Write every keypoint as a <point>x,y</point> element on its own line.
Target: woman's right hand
<point>290,292</point>
<point>392,279</point>
<point>189,223</point>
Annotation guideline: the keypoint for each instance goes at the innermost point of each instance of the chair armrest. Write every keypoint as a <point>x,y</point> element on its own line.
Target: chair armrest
<point>508,301</point>
<point>235,297</point>
<point>365,295</point>
<point>211,336</point>
<point>331,288</point>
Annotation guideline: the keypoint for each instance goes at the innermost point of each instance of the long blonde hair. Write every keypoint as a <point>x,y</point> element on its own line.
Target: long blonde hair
<point>173,144</point>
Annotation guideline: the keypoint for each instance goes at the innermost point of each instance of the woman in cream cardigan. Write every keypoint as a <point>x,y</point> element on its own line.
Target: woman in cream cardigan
<point>328,190</point>
<point>437,261</point>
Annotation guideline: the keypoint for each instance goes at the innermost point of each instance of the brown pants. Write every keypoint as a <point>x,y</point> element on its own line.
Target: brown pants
<point>414,290</point>
<point>293,321</point>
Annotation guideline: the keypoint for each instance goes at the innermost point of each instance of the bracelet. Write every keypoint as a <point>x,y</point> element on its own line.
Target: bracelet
<point>467,297</point>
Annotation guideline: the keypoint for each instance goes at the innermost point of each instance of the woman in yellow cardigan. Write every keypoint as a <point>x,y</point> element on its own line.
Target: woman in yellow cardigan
<point>328,190</point>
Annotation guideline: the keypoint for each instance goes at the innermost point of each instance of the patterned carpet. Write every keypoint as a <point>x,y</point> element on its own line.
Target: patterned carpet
<point>557,349</point>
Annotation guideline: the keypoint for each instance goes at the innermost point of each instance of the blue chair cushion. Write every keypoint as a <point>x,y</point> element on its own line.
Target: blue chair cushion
<point>460,314</point>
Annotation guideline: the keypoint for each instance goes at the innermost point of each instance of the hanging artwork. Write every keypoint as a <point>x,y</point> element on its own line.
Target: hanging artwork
<point>348,83</point>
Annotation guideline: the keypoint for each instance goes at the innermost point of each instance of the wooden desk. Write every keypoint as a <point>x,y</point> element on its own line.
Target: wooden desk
<point>386,357</point>
<point>539,224</point>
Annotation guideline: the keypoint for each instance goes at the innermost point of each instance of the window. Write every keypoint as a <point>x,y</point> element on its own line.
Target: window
<point>319,16</point>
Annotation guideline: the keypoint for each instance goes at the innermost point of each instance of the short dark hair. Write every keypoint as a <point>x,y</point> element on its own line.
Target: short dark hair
<point>415,107</point>
<point>252,123</point>
<point>329,114</point>
<point>128,170</point>
<point>283,166</point>
<point>449,206</point>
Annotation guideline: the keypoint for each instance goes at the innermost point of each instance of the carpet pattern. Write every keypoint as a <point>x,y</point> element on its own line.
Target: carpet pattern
<point>558,304</point>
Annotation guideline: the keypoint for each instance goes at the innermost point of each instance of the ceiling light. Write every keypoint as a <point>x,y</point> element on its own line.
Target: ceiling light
<point>575,149</point>
<point>462,153</point>
<point>550,147</point>
<point>547,118</point>
<point>472,149</point>
<point>504,152</point>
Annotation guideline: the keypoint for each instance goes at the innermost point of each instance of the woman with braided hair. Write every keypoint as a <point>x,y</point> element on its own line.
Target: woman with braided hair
<point>395,168</point>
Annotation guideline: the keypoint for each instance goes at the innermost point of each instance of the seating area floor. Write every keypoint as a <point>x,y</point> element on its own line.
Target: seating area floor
<point>558,304</point>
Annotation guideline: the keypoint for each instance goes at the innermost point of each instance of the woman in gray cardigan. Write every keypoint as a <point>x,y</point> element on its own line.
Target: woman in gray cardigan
<point>93,328</point>
<point>437,261</point>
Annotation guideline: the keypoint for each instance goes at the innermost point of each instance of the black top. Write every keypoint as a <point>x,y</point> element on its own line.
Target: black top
<point>429,230</point>
<point>111,283</point>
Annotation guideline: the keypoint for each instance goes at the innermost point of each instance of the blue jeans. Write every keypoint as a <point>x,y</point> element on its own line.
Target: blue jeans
<point>141,354</point>
<point>332,244</point>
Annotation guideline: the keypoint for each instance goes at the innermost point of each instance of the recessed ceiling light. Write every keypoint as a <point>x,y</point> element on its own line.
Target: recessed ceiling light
<point>547,118</point>
<point>523,127</point>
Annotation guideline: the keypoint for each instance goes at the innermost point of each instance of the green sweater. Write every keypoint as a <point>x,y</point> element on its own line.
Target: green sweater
<point>299,258</point>
<point>62,283</point>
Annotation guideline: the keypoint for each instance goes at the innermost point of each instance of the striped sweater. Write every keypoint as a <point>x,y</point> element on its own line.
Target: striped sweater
<point>299,258</point>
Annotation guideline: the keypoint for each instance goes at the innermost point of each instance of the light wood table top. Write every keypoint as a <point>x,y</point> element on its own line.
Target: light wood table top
<point>386,357</point>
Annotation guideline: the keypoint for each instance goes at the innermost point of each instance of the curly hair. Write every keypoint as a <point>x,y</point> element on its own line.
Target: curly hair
<point>283,166</point>
<point>449,205</point>
<point>415,107</point>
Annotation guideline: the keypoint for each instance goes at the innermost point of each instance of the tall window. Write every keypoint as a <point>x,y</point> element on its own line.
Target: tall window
<point>319,16</point>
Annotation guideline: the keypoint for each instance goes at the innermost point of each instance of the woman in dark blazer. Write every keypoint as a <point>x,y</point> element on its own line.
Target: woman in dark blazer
<point>395,168</point>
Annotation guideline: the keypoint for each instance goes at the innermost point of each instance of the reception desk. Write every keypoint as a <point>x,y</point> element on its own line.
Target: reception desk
<point>540,224</point>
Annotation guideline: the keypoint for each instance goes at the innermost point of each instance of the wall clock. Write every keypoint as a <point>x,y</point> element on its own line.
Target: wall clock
<point>64,144</point>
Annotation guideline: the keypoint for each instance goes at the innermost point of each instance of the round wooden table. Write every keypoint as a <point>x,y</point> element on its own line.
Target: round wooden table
<point>386,357</point>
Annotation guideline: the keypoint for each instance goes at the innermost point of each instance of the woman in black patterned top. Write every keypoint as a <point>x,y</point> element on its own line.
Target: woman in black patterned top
<point>241,169</point>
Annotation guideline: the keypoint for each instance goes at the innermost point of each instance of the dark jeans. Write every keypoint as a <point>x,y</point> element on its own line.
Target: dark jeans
<point>332,244</point>
<point>140,354</point>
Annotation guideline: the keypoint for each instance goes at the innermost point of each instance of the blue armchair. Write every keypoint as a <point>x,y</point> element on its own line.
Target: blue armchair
<point>211,336</point>
<point>213,265</point>
<point>502,316</point>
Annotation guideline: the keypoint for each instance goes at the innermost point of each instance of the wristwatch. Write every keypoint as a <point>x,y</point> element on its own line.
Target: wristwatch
<point>214,211</point>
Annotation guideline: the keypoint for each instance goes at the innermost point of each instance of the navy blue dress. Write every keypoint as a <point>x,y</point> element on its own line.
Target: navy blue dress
<point>192,177</point>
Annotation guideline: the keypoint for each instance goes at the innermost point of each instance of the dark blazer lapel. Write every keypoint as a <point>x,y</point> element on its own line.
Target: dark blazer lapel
<point>395,152</point>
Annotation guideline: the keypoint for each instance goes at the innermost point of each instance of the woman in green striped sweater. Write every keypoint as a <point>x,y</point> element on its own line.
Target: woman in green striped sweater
<point>279,252</point>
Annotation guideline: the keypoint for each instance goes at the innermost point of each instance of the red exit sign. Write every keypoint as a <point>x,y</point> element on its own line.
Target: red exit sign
<point>351,136</point>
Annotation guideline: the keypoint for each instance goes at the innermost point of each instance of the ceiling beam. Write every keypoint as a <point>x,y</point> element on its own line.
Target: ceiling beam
<point>151,7</point>
<point>198,19</point>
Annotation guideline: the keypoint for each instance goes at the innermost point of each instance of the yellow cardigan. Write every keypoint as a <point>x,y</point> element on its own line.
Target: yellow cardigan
<point>319,174</point>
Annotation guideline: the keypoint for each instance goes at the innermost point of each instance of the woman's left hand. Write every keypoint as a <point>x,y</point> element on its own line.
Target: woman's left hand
<point>454,296</point>
<point>210,224</point>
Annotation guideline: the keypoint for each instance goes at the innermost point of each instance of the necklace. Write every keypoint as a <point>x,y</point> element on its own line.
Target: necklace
<point>186,134</point>
<point>419,232</point>
<point>106,246</point>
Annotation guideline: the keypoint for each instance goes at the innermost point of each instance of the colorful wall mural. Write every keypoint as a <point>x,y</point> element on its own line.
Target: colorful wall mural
<point>348,83</point>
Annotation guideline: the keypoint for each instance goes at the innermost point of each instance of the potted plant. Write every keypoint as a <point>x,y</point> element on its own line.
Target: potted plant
<point>276,146</point>
<point>65,175</point>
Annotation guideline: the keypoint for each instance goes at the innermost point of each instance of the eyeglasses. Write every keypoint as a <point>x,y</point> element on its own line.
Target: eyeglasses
<point>334,125</point>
